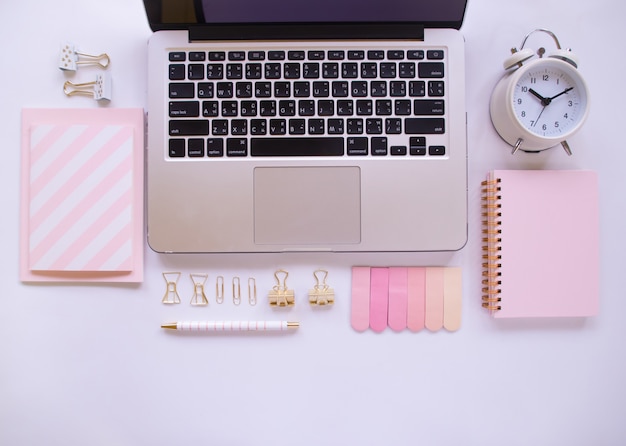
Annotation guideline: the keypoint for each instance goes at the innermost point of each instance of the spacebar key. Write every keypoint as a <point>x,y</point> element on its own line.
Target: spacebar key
<point>296,146</point>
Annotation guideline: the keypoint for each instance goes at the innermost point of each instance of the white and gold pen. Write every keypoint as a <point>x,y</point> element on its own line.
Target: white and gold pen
<point>210,326</point>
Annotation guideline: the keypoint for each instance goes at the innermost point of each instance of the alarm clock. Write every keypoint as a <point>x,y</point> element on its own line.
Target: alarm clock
<point>540,101</point>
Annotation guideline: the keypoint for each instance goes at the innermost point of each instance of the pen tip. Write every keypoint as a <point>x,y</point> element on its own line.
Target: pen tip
<point>293,325</point>
<point>171,326</point>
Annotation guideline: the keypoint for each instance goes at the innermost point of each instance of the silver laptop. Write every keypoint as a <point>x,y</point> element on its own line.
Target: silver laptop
<point>327,125</point>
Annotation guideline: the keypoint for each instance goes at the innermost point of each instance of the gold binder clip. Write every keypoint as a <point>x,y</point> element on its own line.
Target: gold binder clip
<point>219,289</point>
<point>236,290</point>
<point>70,58</point>
<point>171,294</point>
<point>321,294</point>
<point>280,295</point>
<point>252,291</point>
<point>100,89</point>
<point>199,296</point>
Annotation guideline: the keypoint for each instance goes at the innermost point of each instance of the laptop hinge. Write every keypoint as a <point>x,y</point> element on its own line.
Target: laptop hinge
<point>307,31</point>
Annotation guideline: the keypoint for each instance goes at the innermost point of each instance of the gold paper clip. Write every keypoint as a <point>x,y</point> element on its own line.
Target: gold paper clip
<point>69,59</point>
<point>252,291</point>
<point>236,290</point>
<point>280,295</point>
<point>199,296</point>
<point>100,89</point>
<point>171,294</point>
<point>219,289</point>
<point>321,294</point>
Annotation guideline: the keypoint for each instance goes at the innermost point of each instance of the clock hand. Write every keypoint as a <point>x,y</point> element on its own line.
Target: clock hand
<point>538,117</point>
<point>534,93</point>
<point>563,92</point>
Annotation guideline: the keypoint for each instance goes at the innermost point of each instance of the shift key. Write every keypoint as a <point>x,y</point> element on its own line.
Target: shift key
<point>424,126</point>
<point>191,127</point>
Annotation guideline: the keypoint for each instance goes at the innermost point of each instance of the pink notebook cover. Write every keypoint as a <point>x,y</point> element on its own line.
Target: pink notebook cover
<point>82,195</point>
<point>549,223</point>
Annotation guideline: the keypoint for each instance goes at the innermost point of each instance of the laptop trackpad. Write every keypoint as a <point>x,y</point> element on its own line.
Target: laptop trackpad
<point>307,205</point>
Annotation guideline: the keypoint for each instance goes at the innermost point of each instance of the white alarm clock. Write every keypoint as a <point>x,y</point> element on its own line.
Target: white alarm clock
<point>540,101</point>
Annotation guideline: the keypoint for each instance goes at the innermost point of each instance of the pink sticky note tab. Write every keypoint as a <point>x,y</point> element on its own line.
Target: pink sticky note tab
<point>398,298</point>
<point>360,312</point>
<point>452,293</point>
<point>416,287</point>
<point>434,298</point>
<point>379,298</point>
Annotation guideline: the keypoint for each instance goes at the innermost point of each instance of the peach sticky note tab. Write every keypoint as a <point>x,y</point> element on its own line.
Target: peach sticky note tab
<point>360,314</point>
<point>379,298</point>
<point>434,298</point>
<point>416,283</point>
<point>452,292</point>
<point>398,298</point>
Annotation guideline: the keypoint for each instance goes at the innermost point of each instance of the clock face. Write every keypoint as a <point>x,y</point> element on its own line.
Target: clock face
<point>550,98</point>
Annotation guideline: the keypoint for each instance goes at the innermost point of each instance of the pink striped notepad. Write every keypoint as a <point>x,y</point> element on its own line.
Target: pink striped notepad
<point>82,195</point>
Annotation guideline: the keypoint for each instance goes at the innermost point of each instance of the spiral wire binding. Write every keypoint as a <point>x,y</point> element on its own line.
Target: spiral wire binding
<point>492,259</point>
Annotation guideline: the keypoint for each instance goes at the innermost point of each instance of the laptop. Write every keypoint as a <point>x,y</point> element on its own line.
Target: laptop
<point>327,125</point>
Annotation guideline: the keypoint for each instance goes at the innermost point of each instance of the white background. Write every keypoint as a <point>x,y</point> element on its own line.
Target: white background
<point>89,365</point>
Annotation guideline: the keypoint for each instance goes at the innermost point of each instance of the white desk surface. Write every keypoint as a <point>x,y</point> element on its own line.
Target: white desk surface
<point>89,365</point>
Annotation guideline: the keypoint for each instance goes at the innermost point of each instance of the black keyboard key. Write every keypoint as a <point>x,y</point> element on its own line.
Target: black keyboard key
<point>217,56</point>
<point>253,71</point>
<point>197,56</point>
<point>296,55</point>
<point>177,148</point>
<point>436,150</point>
<point>267,108</point>
<point>194,127</point>
<point>243,89</point>
<point>424,126</point>
<point>369,70</point>
<point>349,70</point>
<point>354,126</point>
<point>234,71</point>
<point>210,109</point>
<point>321,89</point>
<point>357,146</point>
<point>379,146</point>
<point>388,70</point>
<point>330,70</point>
<point>229,108</point>
<point>375,54</point>
<point>177,72</point>
<point>256,55</point>
<point>435,88</point>
<point>177,56</point>
<point>397,88</point>
<point>205,90</point>
<point>316,126</point>
<point>276,55</point>
<point>248,108</point>
<point>374,126</point>
<point>219,127</point>
<point>316,55</point>
<point>393,126</point>
<point>417,88</point>
<point>272,70</point>
<point>345,107</point>
<point>435,54</point>
<point>305,146</point>
<point>278,127</point>
<point>358,89</point>
<point>195,148</point>
<point>395,54</point>
<point>262,89</point>
<point>311,70</point>
<point>306,107</point>
<point>378,88</point>
<point>237,147</point>
<point>406,70</point>
<point>335,126</point>
<point>287,107</point>
<point>398,150</point>
<point>182,91</point>
<point>430,70</point>
<point>417,145</point>
<point>215,147</point>
<point>428,107</point>
<point>364,107</point>
<point>403,107</point>
<point>336,54</point>
<point>236,56</point>
<point>215,71</point>
<point>340,89</point>
<point>258,126</point>
<point>383,107</point>
<point>239,127</point>
<point>356,55</point>
<point>224,90</point>
<point>292,70</point>
<point>195,71</point>
<point>325,107</point>
<point>297,126</point>
<point>415,55</point>
<point>184,109</point>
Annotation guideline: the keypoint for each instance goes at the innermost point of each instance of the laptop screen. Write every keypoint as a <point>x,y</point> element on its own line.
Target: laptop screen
<point>179,14</point>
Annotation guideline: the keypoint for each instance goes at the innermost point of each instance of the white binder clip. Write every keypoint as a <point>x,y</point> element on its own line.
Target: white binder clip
<point>70,58</point>
<point>100,89</point>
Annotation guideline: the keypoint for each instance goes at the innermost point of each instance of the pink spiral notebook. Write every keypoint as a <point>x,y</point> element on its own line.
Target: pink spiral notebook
<point>541,243</point>
<point>82,195</point>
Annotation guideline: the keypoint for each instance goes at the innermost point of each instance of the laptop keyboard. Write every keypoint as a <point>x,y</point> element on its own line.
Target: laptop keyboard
<point>275,103</point>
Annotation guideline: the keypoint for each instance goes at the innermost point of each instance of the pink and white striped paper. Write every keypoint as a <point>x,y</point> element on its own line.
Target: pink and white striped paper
<point>81,205</point>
